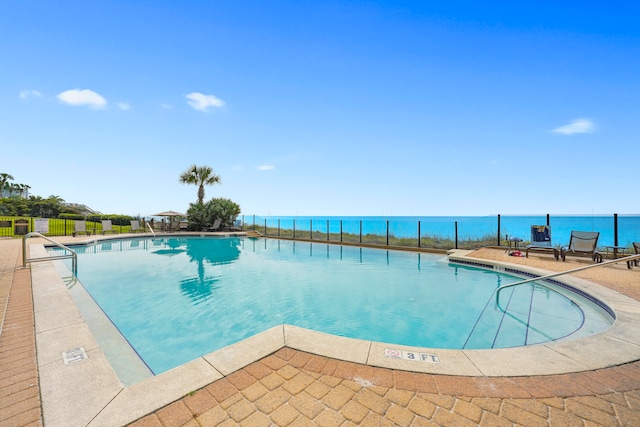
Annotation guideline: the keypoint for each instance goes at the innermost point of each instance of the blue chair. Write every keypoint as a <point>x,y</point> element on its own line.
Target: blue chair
<point>541,240</point>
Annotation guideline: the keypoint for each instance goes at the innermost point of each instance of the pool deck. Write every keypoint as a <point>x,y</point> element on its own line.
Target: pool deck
<point>289,376</point>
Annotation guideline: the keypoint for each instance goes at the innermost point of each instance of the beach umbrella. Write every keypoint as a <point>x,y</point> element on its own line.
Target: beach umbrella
<point>170,214</point>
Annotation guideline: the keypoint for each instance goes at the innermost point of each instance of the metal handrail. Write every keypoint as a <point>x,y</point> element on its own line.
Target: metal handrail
<point>560,273</point>
<point>73,255</point>
<point>151,229</point>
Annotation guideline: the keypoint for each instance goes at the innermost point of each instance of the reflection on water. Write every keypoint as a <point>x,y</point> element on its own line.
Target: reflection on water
<point>178,298</point>
<point>197,285</point>
<point>200,287</point>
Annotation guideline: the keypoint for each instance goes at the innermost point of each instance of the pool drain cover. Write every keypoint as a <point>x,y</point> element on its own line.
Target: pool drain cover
<point>74,355</point>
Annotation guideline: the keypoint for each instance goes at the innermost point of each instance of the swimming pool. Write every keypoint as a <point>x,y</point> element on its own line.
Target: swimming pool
<point>177,298</point>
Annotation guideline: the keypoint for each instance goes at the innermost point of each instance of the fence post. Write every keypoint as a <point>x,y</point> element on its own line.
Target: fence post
<point>254,223</point>
<point>548,222</point>
<point>615,235</point>
<point>327,230</point>
<point>294,228</point>
<point>419,234</point>
<point>387,232</point>
<point>498,229</point>
<point>278,227</point>
<point>456,235</point>
<point>265,226</point>
<point>360,231</point>
<point>341,230</point>
<point>310,229</point>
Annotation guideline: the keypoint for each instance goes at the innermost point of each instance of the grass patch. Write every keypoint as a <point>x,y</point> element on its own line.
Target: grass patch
<point>426,241</point>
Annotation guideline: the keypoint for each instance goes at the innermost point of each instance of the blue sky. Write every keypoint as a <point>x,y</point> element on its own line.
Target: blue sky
<point>325,107</point>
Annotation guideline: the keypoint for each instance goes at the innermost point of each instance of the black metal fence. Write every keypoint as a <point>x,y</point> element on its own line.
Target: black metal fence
<point>447,232</point>
<point>424,232</point>
<point>19,226</point>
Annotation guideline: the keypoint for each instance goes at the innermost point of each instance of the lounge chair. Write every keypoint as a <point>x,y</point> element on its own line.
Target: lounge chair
<point>636,249</point>
<point>107,227</point>
<point>215,226</point>
<point>541,240</point>
<point>135,226</point>
<point>80,227</point>
<point>183,226</point>
<point>236,226</point>
<point>582,243</point>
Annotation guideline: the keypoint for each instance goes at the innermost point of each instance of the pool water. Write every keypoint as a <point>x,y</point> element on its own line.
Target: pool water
<point>175,299</point>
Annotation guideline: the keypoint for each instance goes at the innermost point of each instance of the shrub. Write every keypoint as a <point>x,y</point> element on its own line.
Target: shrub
<point>203,215</point>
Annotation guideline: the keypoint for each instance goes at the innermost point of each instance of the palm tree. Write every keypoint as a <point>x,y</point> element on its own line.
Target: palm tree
<point>55,199</point>
<point>14,188</point>
<point>200,176</point>
<point>4,177</point>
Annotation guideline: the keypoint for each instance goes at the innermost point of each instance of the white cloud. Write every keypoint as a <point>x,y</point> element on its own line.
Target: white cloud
<point>202,102</point>
<point>237,168</point>
<point>576,126</point>
<point>82,97</point>
<point>124,106</point>
<point>24,94</point>
<point>165,106</point>
<point>266,167</point>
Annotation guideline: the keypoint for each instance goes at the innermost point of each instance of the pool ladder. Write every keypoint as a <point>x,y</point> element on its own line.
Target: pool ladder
<point>626,259</point>
<point>72,254</point>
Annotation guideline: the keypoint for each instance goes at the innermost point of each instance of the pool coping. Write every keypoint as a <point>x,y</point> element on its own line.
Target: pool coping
<point>101,399</point>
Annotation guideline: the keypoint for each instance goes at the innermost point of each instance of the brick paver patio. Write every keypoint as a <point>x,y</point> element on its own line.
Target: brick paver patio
<point>19,392</point>
<point>294,388</point>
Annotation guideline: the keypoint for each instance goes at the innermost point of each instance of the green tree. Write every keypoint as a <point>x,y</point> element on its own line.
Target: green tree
<point>14,188</point>
<point>203,215</point>
<point>200,176</point>
<point>55,199</point>
<point>198,216</point>
<point>4,177</point>
<point>224,209</point>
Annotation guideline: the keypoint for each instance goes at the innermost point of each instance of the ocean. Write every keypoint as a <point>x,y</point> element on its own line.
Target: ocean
<point>469,227</point>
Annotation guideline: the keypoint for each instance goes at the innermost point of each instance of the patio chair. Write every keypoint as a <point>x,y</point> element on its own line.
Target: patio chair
<point>215,226</point>
<point>158,226</point>
<point>236,226</point>
<point>107,227</point>
<point>183,226</point>
<point>636,249</point>
<point>541,240</point>
<point>582,243</point>
<point>80,227</point>
<point>135,226</point>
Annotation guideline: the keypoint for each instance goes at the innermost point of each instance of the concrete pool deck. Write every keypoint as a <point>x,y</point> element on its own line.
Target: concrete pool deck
<point>290,376</point>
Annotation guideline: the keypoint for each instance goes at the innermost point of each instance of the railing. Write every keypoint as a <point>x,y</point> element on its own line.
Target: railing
<point>446,232</point>
<point>459,232</point>
<point>73,255</point>
<point>626,259</point>
<point>18,226</point>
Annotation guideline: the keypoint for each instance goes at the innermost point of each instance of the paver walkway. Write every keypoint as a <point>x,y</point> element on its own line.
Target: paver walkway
<point>294,388</point>
<point>19,392</point>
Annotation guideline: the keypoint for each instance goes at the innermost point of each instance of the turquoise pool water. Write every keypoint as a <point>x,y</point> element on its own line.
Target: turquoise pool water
<point>177,298</point>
